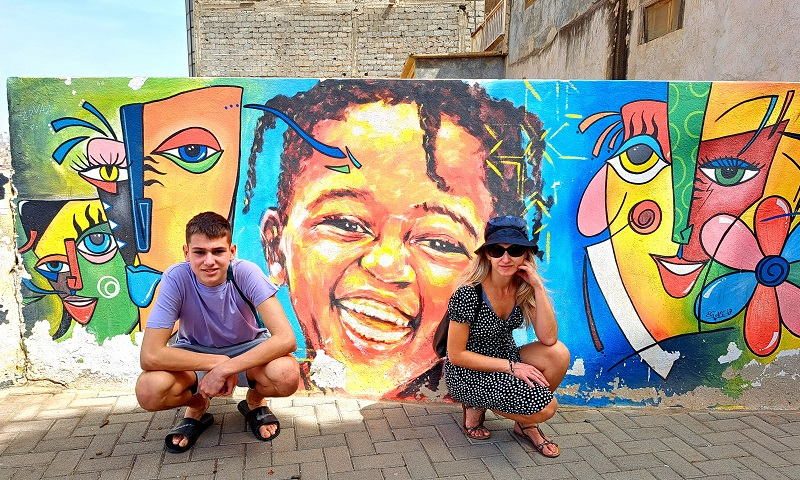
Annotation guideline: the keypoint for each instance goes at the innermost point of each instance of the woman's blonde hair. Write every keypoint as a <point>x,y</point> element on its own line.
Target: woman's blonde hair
<point>480,268</point>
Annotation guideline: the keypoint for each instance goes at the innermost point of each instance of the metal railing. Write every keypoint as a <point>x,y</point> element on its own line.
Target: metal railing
<point>492,29</point>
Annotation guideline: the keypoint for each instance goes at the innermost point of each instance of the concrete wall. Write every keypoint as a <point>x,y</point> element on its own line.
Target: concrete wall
<point>484,66</point>
<point>333,38</point>
<point>721,40</point>
<point>662,212</point>
<point>561,39</point>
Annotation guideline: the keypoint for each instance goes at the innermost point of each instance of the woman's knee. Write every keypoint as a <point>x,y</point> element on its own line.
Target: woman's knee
<point>559,354</point>
<point>547,412</point>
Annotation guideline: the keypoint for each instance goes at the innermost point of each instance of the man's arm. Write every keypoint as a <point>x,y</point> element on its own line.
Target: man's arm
<point>156,355</point>
<point>281,343</point>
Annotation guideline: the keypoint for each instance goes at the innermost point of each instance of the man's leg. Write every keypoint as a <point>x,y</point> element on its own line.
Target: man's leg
<point>278,378</point>
<point>158,390</point>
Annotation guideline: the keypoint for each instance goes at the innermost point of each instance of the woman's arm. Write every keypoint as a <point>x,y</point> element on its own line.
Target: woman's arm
<point>544,321</point>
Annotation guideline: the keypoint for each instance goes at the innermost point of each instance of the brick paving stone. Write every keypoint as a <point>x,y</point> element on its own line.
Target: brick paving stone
<point>618,418</point>
<point>413,410</point>
<point>217,451</point>
<point>117,474</point>
<point>60,413</point>
<point>145,466</point>
<point>436,449</point>
<point>321,441</point>
<point>397,418</point>
<point>500,468</point>
<point>515,454</point>
<point>341,427</point>
<point>133,432</point>
<point>230,468</point>
<point>691,423</point>
<point>379,430</point>
<point>648,433</point>
<point>67,461</point>
<point>396,473</point>
<point>373,474</point>
<point>284,472</point>
<point>475,451</point>
<point>418,465</point>
<point>62,427</point>
<point>596,459</point>
<point>297,456</point>
<point>285,442</point>
<point>26,459</point>
<point>664,473</point>
<point>764,440</point>
<point>337,459</point>
<point>546,472</point>
<point>436,419</point>
<point>643,446</point>
<point>572,428</point>
<point>415,432</point>
<point>650,419</point>
<point>761,425</point>
<point>717,452</point>
<point>153,446</point>
<point>100,464</point>
<point>583,470</point>
<point>679,464</point>
<point>640,461</point>
<point>756,450</point>
<point>360,443</point>
<point>725,466</point>
<point>452,435</point>
<point>686,451</point>
<point>764,469</point>
<point>460,467</point>
<point>398,446</point>
<point>640,474</point>
<point>327,413</point>
<point>189,469</point>
<point>792,442</point>
<point>380,460</point>
<point>687,435</point>
<point>727,425</point>
<point>258,455</point>
<point>612,430</point>
<point>313,471</point>
<point>599,440</point>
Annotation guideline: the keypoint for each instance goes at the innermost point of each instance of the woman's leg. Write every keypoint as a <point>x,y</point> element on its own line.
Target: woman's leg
<point>526,425</point>
<point>551,360</point>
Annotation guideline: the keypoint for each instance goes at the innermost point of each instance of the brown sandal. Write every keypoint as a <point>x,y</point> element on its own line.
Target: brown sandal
<point>475,432</point>
<point>538,446</point>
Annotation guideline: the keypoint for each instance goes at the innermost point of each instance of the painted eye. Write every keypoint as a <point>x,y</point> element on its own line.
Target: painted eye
<point>729,171</point>
<point>443,246</point>
<point>105,176</point>
<point>52,269</point>
<point>638,160</point>
<point>97,247</point>
<point>346,224</point>
<point>194,149</point>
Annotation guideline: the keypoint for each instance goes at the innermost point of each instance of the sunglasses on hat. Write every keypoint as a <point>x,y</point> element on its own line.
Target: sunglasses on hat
<point>496,251</point>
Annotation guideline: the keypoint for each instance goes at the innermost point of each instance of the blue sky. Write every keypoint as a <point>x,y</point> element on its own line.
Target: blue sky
<point>90,38</point>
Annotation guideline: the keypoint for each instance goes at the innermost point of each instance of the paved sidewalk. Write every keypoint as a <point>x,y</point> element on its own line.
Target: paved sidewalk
<point>48,432</point>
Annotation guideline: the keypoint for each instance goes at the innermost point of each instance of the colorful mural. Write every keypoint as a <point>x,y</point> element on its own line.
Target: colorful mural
<point>665,214</point>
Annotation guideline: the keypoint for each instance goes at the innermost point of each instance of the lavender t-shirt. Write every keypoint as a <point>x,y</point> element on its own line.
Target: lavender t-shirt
<point>211,316</point>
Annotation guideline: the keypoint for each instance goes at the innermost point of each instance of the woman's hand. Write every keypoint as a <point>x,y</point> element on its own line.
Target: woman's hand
<point>529,374</point>
<point>527,271</point>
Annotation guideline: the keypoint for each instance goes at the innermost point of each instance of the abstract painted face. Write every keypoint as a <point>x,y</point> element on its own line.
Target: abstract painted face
<point>630,199</point>
<point>76,253</point>
<point>184,156</point>
<point>371,257</point>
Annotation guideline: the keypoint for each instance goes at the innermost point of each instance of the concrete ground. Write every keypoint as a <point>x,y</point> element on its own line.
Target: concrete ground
<point>49,432</point>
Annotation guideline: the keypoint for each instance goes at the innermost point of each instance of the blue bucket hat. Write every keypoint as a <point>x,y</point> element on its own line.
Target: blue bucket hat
<point>506,229</point>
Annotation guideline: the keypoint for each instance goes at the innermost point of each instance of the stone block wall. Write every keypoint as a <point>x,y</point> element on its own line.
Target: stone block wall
<point>331,38</point>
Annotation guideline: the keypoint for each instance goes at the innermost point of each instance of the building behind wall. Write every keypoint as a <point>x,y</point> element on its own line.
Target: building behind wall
<point>652,39</point>
<point>323,38</point>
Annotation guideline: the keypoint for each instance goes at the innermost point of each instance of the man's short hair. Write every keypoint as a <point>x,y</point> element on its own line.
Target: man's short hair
<point>210,224</point>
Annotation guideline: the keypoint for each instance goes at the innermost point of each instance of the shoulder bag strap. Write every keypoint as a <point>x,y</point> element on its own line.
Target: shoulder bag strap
<point>232,279</point>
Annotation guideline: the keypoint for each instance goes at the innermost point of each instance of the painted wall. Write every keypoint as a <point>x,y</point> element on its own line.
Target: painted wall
<point>665,214</point>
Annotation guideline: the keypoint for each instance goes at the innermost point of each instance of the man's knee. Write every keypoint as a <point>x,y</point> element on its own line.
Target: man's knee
<point>153,388</point>
<point>284,374</point>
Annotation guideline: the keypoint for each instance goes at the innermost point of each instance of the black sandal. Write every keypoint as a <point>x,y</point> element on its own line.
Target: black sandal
<point>538,446</point>
<point>472,432</point>
<point>258,417</point>
<point>190,428</point>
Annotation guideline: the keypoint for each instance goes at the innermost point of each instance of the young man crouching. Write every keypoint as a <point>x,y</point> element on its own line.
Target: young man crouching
<point>221,341</point>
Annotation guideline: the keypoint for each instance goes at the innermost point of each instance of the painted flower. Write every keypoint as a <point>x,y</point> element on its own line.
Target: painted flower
<point>767,282</point>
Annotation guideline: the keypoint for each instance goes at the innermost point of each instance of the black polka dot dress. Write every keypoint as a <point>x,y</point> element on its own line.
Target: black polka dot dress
<point>491,336</point>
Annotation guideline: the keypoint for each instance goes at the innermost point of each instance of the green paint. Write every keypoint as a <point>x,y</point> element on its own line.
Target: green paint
<point>687,104</point>
<point>735,387</point>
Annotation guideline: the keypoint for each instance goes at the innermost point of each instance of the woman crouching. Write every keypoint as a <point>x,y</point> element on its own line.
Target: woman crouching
<point>485,369</point>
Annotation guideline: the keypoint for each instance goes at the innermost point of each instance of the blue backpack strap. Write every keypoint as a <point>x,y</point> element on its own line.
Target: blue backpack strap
<point>232,279</point>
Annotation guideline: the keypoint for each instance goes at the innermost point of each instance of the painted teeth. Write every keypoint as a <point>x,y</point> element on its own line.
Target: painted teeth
<point>372,333</point>
<point>80,302</point>
<point>681,269</point>
<point>373,312</point>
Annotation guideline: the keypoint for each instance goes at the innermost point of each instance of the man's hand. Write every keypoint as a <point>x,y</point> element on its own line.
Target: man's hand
<point>216,384</point>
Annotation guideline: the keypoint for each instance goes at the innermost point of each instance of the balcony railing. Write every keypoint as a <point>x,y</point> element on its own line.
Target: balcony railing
<point>492,29</point>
